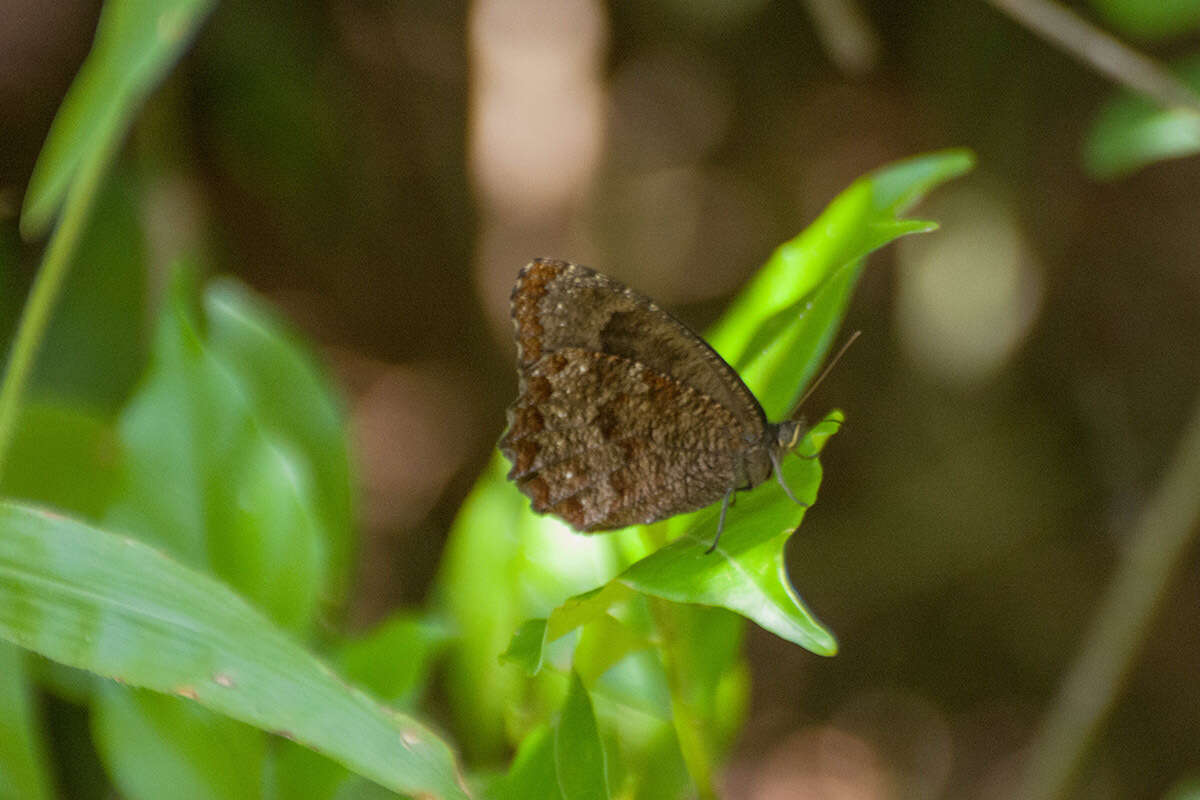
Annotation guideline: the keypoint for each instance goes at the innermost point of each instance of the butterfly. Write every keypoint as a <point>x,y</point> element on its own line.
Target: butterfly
<point>624,416</point>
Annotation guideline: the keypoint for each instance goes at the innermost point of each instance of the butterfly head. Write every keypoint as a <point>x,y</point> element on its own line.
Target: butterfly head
<point>787,434</point>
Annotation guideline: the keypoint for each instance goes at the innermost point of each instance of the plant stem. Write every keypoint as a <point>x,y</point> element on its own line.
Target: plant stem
<point>46,286</point>
<point>1159,541</point>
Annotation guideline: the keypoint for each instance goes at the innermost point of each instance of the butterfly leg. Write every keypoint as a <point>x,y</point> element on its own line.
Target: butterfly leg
<point>786,489</point>
<point>721,521</point>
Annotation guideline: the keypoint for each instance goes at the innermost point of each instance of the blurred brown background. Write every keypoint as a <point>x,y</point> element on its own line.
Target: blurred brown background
<point>381,170</point>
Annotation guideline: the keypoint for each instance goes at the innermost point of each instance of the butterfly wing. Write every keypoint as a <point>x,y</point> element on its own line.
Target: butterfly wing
<point>624,415</point>
<point>556,305</point>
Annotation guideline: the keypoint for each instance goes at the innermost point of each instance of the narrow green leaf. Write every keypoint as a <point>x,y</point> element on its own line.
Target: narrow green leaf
<point>114,606</point>
<point>136,43</point>
<point>584,608</point>
<point>94,347</point>
<point>578,751</point>
<point>23,774</point>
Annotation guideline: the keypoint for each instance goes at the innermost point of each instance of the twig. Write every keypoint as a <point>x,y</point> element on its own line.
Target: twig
<point>848,37</point>
<point>1159,541</point>
<point>1101,51</point>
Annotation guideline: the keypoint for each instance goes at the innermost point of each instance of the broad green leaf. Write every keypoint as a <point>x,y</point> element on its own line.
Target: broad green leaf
<point>578,751</point>
<point>116,607</point>
<point>136,43</point>
<point>293,401</point>
<point>1131,132</point>
<point>23,774</point>
<point>209,477</point>
<point>392,662</point>
<point>155,745</point>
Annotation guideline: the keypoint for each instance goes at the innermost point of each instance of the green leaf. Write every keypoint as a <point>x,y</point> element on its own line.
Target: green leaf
<point>810,278</point>
<point>604,643</point>
<point>155,745</point>
<point>136,43</point>
<point>293,401</point>
<point>23,774</point>
<point>516,565</point>
<point>210,475</point>
<point>114,606</point>
<point>533,775</point>
<point>527,647</point>
<point>1131,132</point>
<point>94,348</point>
<point>64,457</point>
<point>578,751</point>
<point>393,660</point>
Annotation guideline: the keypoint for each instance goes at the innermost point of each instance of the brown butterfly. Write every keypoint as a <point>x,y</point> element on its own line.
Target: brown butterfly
<point>625,416</point>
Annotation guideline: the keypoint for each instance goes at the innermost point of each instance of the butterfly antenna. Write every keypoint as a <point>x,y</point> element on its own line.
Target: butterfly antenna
<point>825,372</point>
